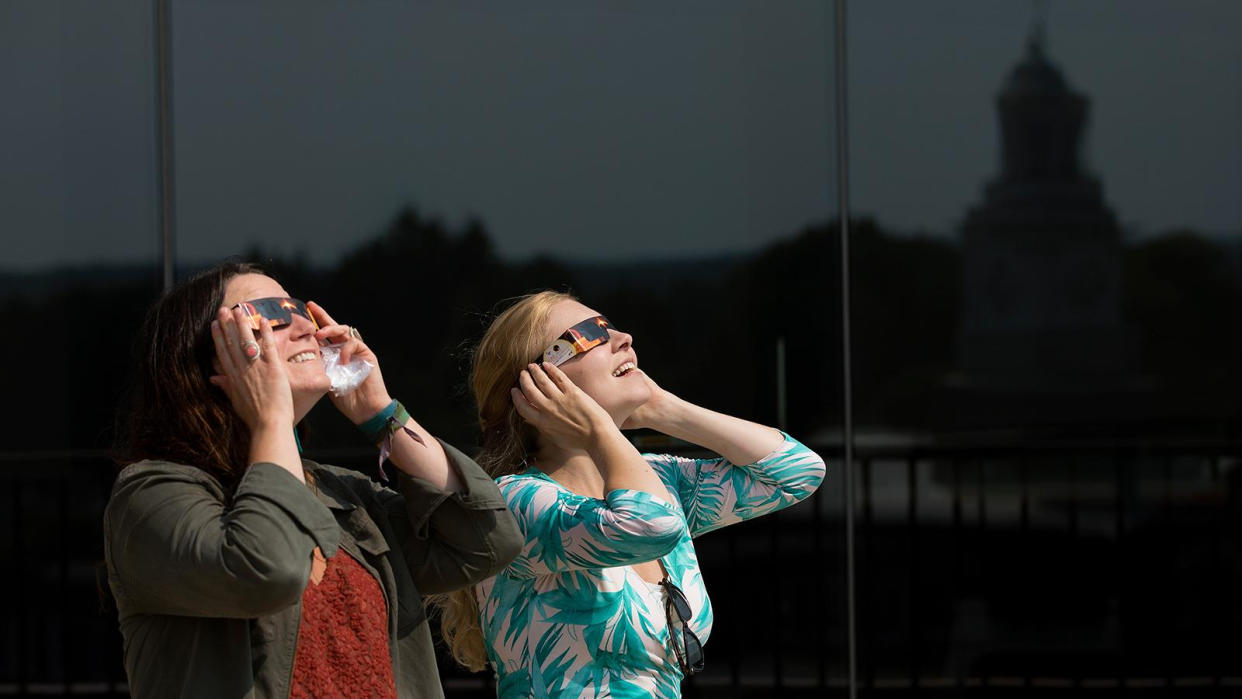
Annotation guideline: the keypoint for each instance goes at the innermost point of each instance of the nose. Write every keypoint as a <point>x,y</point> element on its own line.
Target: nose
<point>300,326</point>
<point>620,341</point>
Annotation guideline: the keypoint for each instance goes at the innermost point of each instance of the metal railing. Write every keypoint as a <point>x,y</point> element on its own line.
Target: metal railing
<point>981,569</point>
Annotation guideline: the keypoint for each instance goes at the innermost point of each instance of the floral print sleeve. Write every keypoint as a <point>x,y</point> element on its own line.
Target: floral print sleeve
<point>715,493</point>
<point>565,531</point>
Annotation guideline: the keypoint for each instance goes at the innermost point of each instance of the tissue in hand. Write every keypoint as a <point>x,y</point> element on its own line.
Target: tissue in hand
<point>344,377</point>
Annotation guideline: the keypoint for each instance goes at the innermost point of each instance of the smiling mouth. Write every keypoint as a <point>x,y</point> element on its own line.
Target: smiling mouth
<point>624,369</point>
<point>303,357</point>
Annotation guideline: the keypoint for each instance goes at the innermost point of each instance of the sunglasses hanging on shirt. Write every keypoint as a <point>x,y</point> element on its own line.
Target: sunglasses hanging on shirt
<point>677,613</point>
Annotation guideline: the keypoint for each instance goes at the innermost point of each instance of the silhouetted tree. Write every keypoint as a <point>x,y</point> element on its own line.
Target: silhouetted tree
<point>1182,296</point>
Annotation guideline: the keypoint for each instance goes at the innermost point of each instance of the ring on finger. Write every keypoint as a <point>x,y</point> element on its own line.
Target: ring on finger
<point>251,350</point>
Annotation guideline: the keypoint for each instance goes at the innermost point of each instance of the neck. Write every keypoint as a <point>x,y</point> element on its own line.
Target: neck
<point>572,468</point>
<point>302,406</point>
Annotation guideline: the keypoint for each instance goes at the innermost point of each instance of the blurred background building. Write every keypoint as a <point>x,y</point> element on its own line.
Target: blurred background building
<point>1042,205</point>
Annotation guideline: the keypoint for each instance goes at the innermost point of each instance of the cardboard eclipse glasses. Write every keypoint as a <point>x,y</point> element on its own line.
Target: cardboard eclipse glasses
<point>579,338</point>
<point>276,310</point>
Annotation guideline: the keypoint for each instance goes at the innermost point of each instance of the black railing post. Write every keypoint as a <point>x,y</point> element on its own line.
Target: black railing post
<point>959,556</point>
<point>1075,526</point>
<point>1024,526</point>
<point>777,601</point>
<point>912,524</point>
<point>735,648</point>
<point>1171,545</point>
<point>821,601</point>
<point>1220,526</point>
<point>866,593</point>
<point>981,535</point>
<point>20,572</point>
<point>66,628</point>
<point>1121,564</point>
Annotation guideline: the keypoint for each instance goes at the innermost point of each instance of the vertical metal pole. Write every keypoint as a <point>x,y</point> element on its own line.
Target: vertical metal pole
<point>164,143</point>
<point>843,193</point>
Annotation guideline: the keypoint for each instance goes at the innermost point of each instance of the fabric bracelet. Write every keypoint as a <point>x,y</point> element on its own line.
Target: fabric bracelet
<point>394,418</point>
<point>371,428</point>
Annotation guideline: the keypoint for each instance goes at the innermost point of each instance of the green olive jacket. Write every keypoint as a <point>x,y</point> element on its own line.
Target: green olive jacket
<point>209,588</point>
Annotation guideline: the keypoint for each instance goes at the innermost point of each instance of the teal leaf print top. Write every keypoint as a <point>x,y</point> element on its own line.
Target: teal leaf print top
<point>570,618</point>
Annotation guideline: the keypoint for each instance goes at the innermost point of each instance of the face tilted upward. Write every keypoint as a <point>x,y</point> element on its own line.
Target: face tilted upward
<point>295,342</point>
<point>606,371</point>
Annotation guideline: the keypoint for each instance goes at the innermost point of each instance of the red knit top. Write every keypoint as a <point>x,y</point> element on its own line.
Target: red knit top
<point>342,648</point>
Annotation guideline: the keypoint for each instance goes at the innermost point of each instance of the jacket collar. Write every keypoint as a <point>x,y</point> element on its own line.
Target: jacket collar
<point>327,496</point>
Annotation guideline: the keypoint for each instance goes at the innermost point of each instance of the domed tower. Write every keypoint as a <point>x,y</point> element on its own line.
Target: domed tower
<point>1042,252</point>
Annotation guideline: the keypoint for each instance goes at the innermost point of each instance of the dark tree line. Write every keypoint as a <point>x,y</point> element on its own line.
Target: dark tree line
<point>706,329</point>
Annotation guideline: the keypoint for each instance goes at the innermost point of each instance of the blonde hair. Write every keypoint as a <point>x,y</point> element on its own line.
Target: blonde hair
<point>512,341</point>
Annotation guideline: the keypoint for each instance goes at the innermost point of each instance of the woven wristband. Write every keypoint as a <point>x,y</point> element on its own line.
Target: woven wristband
<point>381,428</point>
<point>374,427</point>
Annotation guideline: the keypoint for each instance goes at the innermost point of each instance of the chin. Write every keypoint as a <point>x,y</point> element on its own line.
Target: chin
<point>641,395</point>
<point>308,378</point>
<point>311,392</point>
<point>622,401</point>
<point>624,409</point>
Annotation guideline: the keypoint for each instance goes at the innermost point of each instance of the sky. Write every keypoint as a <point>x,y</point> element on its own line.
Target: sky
<point>603,130</point>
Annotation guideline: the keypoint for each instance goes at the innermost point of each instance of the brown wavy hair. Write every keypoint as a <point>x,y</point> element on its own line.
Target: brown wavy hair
<point>514,338</point>
<point>174,413</point>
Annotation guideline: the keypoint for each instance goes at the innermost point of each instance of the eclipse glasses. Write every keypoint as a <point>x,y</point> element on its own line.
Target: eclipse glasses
<point>579,338</point>
<point>276,310</point>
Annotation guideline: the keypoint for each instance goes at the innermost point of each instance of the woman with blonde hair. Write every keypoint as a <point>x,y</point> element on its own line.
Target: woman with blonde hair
<point>606,597</point>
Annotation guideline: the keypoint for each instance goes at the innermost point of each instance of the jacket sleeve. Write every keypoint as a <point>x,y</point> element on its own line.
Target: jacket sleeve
<point>174,545</point>
<point>453,539</point>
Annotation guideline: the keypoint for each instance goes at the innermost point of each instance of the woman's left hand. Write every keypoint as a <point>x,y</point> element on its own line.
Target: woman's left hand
<point>655,412</point>
<point>372,396</point>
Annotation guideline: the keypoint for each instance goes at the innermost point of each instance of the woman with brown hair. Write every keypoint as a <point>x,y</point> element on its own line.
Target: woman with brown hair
<point>606,597</point>
<point>241,569</point>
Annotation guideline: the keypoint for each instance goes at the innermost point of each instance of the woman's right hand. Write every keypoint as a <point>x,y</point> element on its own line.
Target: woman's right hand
<point>548,399</point>
<point>258,388</point>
